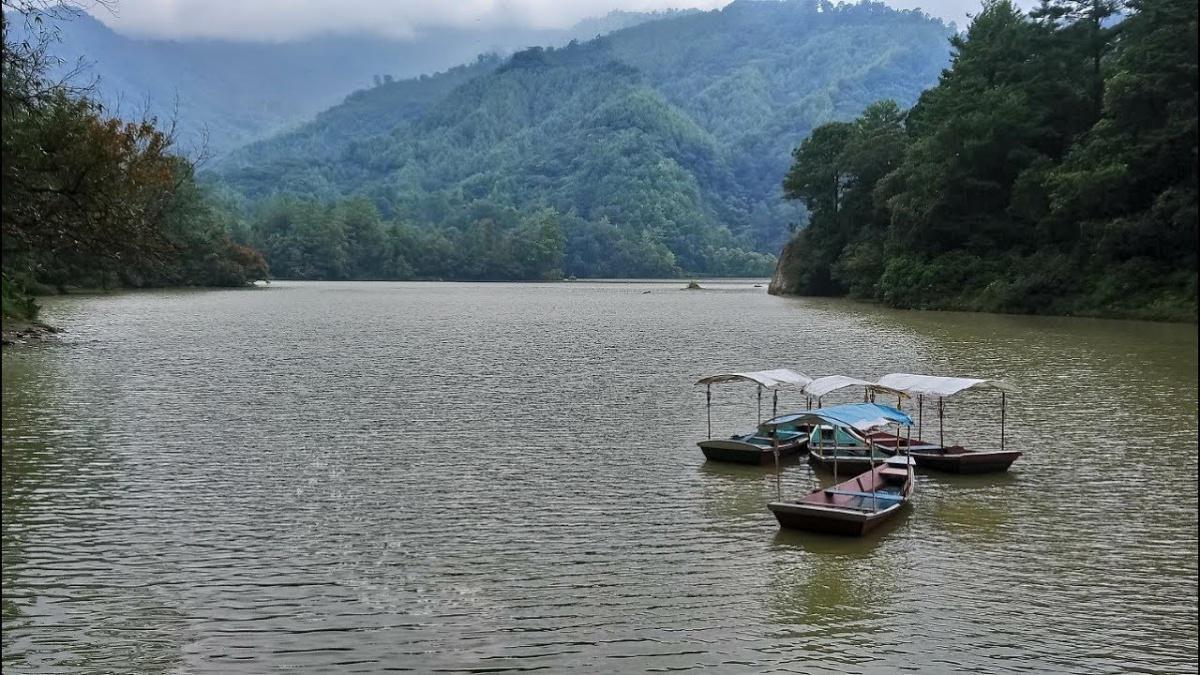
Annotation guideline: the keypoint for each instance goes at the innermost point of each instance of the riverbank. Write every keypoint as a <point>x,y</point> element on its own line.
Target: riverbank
<point>1007,286</point>
<point>17,332</point>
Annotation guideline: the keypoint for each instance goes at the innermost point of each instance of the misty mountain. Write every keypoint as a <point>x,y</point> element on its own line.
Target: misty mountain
<point>236,92</point>
<point>675,132</point>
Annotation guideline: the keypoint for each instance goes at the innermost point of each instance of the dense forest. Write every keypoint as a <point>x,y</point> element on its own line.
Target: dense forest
<point>93,200</point>
<point>654,150</point>
<point>1051,170</point>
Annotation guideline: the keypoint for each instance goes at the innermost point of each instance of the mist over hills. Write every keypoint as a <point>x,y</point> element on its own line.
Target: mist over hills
<point>229,93</point>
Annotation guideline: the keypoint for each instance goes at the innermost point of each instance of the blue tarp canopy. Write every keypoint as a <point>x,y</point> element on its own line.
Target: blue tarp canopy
<point>856,416</point>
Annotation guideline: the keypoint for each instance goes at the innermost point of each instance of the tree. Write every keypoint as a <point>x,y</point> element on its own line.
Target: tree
<point>93,199</point>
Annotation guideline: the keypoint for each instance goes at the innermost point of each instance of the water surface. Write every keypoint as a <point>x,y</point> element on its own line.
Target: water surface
<point>353,477</point>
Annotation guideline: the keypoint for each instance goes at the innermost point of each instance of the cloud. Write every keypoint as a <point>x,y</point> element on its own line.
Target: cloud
<point>281,20</point>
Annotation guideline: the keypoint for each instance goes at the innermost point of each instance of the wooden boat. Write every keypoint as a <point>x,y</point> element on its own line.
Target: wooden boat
<point>762,446</point>
<point>833,444</point>
<point>853,507</point>
<point>858,505</point>
<point>756,448</point>
<point>939,456</point>
<point>951,459</point>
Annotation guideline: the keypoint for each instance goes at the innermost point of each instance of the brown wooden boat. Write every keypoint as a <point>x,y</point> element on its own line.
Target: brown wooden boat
<point>853,507</point>
<point>857,505</point>
<point>939,456</point>
<point>951,459</point>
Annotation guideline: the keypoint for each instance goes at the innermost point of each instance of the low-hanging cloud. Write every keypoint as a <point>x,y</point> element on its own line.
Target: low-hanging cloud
<point>281,20</point>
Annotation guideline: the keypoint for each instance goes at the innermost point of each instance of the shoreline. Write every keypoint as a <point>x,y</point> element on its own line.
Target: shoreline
<point>1105,316</point>
<point>16,332</point>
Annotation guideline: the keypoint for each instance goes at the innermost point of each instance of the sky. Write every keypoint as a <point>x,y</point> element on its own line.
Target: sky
<point>281,20</point>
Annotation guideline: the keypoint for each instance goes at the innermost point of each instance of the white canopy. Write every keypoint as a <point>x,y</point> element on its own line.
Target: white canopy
<point>824,385</point>
<point>932,385</point>
<point>769,379</point>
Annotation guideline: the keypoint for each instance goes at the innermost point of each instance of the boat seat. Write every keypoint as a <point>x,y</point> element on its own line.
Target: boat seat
<point>883,496</point>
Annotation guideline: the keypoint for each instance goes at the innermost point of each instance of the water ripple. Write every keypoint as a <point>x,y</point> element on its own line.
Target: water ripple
<point>503,478</point>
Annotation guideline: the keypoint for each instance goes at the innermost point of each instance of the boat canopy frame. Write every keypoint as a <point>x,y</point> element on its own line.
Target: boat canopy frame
<point>765,379</point>
<point>943,388</point>
<point>823,386</point>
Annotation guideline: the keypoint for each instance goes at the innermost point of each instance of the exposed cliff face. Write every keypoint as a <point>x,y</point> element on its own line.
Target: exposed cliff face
<point>786,279</point>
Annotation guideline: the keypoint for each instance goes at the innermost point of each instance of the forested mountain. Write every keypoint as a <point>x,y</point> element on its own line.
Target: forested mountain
<point>243,91</point>
<point>1052,169</point>
<point>656,149</point>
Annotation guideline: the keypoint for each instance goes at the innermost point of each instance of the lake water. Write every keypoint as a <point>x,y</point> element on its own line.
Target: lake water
<point>358,477</point>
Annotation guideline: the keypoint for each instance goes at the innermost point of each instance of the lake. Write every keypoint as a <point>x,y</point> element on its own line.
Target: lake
<point>355,477</point>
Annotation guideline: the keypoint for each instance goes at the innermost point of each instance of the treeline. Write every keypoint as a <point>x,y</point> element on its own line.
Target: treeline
<point>1051,170</point>
<point>672,133</point>
<point>92,200</point>
<point>308,239</point>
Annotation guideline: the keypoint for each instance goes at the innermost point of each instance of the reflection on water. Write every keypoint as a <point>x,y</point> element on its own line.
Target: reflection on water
<point>348,477</point>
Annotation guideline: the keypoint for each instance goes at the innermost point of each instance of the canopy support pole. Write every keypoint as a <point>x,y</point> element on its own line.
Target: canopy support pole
<point>941,417</point>
<point>920,413</point>
<point>835,452</point>
<point>909,461</point>
<point>708,408</point>
<point>775,403</point>
<point>778,484</point>
<point>1002,405</point>
<point>874,488</point>
<point>760,404</point>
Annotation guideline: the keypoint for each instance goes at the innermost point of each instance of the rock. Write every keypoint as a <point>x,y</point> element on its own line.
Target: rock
<point>785,281</point>
<point>21,332</point>
<point>693,286</point>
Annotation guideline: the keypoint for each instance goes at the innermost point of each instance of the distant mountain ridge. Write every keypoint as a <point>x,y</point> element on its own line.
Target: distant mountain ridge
<point>679,130</point>
<point>234,92</point>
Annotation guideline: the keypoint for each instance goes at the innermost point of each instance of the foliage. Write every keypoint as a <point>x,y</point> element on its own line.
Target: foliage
<point>94,200</point>
<point>658,146</point>
<point>1051,170</point>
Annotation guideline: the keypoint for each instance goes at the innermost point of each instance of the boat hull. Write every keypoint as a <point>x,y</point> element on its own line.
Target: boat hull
<point>846,508</point>
<point>828,521</point>
<point>960,460</point>
<point>952,459</point>
<point>739,452</point>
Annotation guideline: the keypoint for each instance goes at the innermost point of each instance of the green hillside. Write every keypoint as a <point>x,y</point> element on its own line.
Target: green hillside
<point>664,143</point>
<point>1051,170</point>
